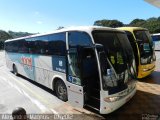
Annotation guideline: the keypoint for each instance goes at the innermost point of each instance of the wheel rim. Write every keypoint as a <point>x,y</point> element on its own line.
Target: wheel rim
<point>62,92</point>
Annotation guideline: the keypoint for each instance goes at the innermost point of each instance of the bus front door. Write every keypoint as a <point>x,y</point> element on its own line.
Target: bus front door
<point>74,84</point>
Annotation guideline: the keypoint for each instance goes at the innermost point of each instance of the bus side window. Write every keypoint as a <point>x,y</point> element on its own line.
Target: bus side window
<point>22,46</point>
<point>57,44</point>
<point>30,45</point>
<point>79,39</point>
<point>40,46</point>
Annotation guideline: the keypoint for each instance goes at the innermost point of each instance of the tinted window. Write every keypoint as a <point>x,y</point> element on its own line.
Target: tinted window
<point>22,46</point>
<point>130,37</point>
<point>12,46</point>
<point>48,45</point>
<point>38,45</point>
<point>156,37</point>
<point>79,38</point>
<point>30,45</point>
<point>57,44</point>
<point>54,44</point>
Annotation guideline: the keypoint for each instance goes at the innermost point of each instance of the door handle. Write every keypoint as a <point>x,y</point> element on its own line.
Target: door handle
<point>69,86</point>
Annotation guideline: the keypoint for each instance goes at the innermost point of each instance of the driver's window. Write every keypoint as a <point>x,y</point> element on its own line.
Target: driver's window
<point>79,39</point>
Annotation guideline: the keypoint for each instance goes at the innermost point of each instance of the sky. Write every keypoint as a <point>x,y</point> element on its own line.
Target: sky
<point>47,15</point>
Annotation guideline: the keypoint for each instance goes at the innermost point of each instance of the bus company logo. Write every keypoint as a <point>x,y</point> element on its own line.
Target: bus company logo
<point>27,61</point>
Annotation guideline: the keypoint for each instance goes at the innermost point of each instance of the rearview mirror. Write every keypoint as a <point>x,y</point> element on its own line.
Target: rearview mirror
<point>99,47</point>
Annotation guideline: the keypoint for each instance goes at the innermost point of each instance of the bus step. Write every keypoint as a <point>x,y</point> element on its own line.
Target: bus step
<point>94,102</point>
<point>93,97</point>
<point>92,107</point>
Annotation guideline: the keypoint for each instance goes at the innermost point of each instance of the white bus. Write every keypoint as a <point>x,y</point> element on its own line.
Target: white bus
<point>156,40</point>
<point>86,66</point>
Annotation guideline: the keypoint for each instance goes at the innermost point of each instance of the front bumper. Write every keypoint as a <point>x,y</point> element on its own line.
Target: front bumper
<point>108,107</point>
<point>145,70</point>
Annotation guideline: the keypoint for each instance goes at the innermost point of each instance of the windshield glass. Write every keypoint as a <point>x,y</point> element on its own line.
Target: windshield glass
<point>146,46</point>
<point>120,58</point>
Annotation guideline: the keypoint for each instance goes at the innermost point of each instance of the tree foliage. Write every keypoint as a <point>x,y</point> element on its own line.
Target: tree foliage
<point>3,36</point>
<point>108,23</point>
<point>19,34</point>
<point>137,22</point>
<point>9,35</point>
<point>152,24</point>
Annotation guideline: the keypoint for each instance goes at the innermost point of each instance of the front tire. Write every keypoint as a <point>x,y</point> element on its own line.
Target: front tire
<point>61,90</point>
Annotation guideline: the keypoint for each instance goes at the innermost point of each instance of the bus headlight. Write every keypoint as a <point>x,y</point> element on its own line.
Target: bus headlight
<point>144,70</point>
<point>112,99</point>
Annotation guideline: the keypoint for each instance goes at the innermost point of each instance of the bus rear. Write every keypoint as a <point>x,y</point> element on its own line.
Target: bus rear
<point>143,47</point>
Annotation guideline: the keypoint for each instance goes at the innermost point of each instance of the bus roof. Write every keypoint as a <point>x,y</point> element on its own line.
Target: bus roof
<point>155,34</point>
<point>131,28</point>
<point>78,28</point>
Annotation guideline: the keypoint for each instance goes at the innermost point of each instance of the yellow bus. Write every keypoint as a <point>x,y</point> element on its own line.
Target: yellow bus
<point>143,48</point>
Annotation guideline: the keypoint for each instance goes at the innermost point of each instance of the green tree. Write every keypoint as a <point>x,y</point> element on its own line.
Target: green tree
<point>3,36</point>
<point>152,24</point>
<point>19,34</point>
<point>152,19</point>
<point>108,23</point>
<point>137,22</point>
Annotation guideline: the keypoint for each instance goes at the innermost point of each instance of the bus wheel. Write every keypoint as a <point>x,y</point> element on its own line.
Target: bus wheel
<point>61,90</point>
<point>15,70</point>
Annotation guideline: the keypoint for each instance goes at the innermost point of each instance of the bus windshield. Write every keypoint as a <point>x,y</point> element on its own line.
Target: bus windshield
<point>145,44</point>
<point>119,55</point>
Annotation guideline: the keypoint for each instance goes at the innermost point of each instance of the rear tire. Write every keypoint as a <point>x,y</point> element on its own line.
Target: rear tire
<point>15,70</point>
<point>61,90</point>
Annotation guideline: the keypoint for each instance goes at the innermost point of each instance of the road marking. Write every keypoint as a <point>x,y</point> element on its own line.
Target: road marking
<point>39,105</point>
<point>55,112</point>
<point>24,93</point>
<point>36,102</point>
